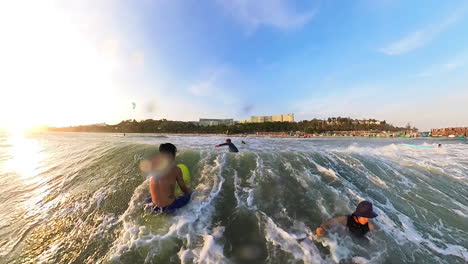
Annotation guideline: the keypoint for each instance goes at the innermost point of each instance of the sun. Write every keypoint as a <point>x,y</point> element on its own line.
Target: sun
<point>53,71</point>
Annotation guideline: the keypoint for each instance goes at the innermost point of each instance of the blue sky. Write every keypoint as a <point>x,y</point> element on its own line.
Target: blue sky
<point>402,61</point>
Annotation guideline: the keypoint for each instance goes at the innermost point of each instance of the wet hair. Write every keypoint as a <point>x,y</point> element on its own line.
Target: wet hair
<point>228,140</point>
<point>168,148</point>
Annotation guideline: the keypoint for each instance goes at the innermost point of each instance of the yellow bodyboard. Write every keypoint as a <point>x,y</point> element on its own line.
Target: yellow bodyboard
<point>186,176</point>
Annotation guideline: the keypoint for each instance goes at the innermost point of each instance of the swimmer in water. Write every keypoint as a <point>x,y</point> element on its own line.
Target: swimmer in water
<point>232,147</point>
<point>243,142</point>
<point>164,176</point>
<point>357,223</point>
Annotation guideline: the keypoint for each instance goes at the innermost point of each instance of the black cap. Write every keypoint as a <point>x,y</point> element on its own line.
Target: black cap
<point>364,209</point>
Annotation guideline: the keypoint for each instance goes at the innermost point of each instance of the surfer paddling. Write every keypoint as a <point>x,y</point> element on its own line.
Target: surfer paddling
<point>232,147</point>
<point>164,175</point>
<point>357,223</point>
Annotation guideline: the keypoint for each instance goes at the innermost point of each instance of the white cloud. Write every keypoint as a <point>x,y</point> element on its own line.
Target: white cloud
<point>208,85</point>
<point>220,82</point>
<point>422,36</point>
<point>448,66</point>
<point>408,43</point>
<point>274,13</point>
<point>441,68</point>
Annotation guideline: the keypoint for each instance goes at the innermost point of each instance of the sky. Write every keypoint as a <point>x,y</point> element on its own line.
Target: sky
<point>83,62</point>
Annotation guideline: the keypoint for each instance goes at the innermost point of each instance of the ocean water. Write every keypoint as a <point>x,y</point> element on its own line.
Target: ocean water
<point>78,198</point>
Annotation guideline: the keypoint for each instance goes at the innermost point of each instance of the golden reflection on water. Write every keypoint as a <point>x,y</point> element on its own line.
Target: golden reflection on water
<point>26,155</point>
<point>27,159</point>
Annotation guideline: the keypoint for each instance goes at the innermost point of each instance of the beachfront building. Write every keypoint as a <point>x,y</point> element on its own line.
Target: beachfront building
<point>370,122</point>
<point>99,125</point>
<point>455,131</point>
<point>214,122</point>
<point>274,118</point>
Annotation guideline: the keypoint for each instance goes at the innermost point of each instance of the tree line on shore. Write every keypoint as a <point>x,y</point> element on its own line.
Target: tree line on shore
<point>167,126</point>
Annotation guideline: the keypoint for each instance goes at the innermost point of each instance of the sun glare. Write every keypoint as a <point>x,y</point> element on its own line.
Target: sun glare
<point>26,156</point>
<point>55,73</point>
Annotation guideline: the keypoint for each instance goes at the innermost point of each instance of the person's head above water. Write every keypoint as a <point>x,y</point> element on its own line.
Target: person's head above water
<point>364,211</point>
<point>357,223</point>
<point>228,140</point>
<point>168,148</point>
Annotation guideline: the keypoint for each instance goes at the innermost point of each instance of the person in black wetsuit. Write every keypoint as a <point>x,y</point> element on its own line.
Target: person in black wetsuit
<point>357,223</point>
<point>232,147</point>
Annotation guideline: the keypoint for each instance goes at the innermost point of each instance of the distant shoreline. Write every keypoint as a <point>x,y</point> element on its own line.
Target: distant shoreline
<point>248,135</point>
